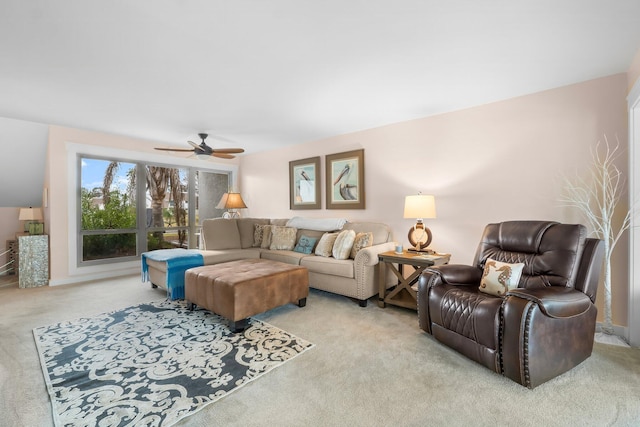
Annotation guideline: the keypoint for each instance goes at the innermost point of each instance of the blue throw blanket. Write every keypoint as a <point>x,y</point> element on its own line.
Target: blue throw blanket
<point>178,261</point>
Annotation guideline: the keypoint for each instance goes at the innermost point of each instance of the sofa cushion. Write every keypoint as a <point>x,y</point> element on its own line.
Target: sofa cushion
<point>499,277</point>
<point>266,237</point>
<point>343,244</point>
<point>381,232</point>
<point>221,233</point>
<point>362,240</point>
<point>216,257</point>
<point>330,266</point>
<point>306,244</point>
<point>290,257</point>
<point>283,238</point>
<point>325,245</point>
<point>246,227</point>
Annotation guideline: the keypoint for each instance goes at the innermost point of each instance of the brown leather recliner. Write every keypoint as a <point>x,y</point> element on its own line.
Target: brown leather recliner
<point>535,332</point>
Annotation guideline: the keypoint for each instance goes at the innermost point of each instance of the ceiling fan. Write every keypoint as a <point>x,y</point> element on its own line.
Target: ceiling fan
<point>203,149</point>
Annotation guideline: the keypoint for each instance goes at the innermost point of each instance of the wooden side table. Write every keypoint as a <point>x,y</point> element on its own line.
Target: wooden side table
<point>403,295</point>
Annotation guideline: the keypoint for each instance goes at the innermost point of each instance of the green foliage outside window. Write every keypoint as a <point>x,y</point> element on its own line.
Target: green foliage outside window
<point>117,213</point>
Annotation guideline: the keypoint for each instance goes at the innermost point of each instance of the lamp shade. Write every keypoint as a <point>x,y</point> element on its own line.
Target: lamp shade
<point>420,206</point>
<point>231,201</point>
<point>30,214</point>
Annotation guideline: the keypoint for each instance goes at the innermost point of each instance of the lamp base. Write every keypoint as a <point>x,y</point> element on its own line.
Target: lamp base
<point>419,236</point>
<point>231,214</point>
<point>36,228</point>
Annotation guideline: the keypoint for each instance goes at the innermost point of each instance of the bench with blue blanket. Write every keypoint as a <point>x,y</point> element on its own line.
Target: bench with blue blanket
<point>178,261</point>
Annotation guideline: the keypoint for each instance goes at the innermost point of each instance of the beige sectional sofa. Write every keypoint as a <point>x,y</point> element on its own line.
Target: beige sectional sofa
<point>242,238</point>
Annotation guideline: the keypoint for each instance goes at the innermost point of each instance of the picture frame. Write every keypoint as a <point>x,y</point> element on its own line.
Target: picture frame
<point>304,183</point>
<point>345,180</point>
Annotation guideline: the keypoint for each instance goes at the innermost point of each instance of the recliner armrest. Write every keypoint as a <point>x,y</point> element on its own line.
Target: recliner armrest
<point>455,274</point>
<point>556,302</point>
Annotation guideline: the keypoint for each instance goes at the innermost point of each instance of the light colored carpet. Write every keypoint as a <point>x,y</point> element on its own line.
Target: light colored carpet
<point>369,367</point>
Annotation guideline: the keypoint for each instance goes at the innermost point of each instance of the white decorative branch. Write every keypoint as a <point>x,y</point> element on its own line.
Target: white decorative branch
<point>597,197</point>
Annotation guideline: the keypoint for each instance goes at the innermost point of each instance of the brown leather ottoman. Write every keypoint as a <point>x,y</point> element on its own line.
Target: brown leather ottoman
<point>240,289</point>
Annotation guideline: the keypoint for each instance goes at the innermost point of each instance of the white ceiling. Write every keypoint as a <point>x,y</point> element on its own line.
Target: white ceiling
<point>266,73</point>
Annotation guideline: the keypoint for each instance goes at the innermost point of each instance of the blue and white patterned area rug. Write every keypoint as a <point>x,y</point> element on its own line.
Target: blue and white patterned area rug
<point>152,364</point>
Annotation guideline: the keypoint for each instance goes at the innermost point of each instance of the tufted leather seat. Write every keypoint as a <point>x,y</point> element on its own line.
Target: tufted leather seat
<point>535,332</point>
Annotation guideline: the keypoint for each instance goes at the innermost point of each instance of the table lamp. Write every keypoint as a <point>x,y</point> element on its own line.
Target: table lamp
<point>419,207</point>
<point>231,201</point>
<point>32,218</point>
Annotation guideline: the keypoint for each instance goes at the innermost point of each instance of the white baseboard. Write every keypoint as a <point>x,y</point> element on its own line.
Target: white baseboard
<point>618,330</point>
<point>95,276</point>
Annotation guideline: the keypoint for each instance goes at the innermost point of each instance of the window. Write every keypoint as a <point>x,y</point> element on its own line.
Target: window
<point>121,215</point>
<point>108,210</point>
<point>167,219</point>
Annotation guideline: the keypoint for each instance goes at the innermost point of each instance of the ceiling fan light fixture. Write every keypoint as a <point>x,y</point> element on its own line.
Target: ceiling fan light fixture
<point>203,151</point>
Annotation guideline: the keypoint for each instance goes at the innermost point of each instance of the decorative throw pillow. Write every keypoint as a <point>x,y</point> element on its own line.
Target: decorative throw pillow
<point>344,243</point>
<point>499,277</point>
<point>325,245</point>
<point>258,229</point>
<point>266,236</point>
<point>283,238</point>
<point>363,240</point>
<point>305,244</point>
<point>247,227</point>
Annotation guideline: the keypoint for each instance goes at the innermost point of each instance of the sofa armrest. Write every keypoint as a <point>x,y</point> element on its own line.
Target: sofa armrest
<point>555,301</point>
<point>366,270</point>
<point>368,257</point>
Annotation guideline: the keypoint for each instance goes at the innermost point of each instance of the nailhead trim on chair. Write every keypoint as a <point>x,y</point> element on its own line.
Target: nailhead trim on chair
<point>501,339</point>
<point>527,323</point>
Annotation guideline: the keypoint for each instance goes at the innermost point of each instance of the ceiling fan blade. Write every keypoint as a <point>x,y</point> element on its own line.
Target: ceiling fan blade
<point>194,145</point>
<point>222,155</point>
<point>228,150</point>
<point>174,149</point>
<point>204,149</point>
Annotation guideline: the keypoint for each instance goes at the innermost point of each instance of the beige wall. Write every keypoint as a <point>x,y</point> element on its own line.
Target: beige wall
<point>500,161</point>
<point>9,226</point>
<point>496,162</point>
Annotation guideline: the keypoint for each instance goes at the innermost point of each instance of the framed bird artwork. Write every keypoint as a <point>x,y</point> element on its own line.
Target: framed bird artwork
<point>304,183</point>
<point>345,180</point>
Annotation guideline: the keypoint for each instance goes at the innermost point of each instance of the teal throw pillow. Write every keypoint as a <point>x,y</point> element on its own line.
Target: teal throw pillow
<point>305,244</point>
